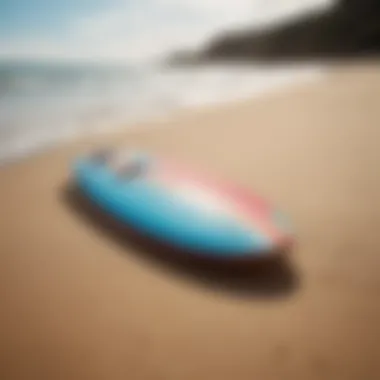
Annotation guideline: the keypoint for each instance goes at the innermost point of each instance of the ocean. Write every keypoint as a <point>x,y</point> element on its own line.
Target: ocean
<point>44,102</point>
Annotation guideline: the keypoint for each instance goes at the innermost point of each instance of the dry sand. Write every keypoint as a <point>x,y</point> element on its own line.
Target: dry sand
<point>78,305</point>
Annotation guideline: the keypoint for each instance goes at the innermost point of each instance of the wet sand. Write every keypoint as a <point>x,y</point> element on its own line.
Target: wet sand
<point>78,303</point>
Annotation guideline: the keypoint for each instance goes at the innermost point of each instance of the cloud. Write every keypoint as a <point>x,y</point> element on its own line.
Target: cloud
<point>135,29</point>
<point>154,26</point>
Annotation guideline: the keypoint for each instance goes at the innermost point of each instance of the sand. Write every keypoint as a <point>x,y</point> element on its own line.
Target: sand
<point>77,304</point>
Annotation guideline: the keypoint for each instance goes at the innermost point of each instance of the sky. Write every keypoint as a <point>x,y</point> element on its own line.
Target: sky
<point>123,30</point>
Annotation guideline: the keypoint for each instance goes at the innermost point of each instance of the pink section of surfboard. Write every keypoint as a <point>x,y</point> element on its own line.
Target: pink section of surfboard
<point>248,208</point>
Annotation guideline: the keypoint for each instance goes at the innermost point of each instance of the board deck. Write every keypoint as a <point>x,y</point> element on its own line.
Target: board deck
<point>179,206</point>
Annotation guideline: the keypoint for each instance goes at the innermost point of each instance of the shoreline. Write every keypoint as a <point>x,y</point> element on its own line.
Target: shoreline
<point>30,140</point>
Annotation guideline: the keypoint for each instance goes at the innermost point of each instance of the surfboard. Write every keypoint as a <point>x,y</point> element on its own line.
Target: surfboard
<point>177,205</point>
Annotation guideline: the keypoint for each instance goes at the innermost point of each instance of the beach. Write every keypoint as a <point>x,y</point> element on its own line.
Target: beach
<point>76,304</point>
